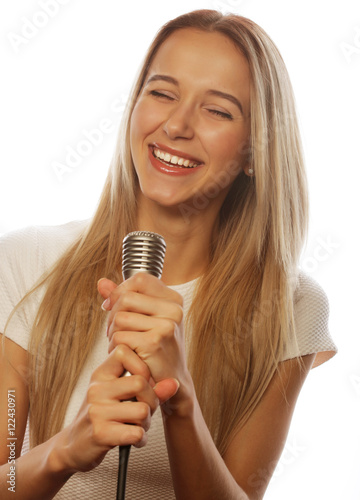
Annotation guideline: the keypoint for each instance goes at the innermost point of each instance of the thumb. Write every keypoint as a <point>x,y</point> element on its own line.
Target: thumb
<point>166,389</point>
<point>105,287</point>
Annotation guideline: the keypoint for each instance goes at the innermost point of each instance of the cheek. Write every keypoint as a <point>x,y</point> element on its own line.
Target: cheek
<point>144,119</point>
<point>229,154</point>
<point>138,131</point>
<point>228,147</point>
<point>135,123</point>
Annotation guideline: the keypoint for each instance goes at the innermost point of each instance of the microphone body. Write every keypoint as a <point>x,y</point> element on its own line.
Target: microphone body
<point>143,252</point>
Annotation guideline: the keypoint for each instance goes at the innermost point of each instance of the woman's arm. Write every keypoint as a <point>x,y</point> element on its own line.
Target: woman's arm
<point>98,427</point>
<point>33,475</point>
<point>244,472</point>
<point>145,317</point>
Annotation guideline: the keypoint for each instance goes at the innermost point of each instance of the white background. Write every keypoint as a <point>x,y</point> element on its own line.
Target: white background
<point>75,71</point>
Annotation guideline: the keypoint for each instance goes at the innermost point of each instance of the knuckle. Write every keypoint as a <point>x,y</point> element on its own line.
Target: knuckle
<point>155,341</point>
<point>116,338</point>
<point>124,300</point>
<point>143,411</point>
<point>180,300</point>
<point>121,319</point>
<point>140,279</point>
<point>98,434</point>
<point>94,375</point>
<point>120,352</point>
<point>92,413</point>
<point>137,434</point>
<point>139,383</point>
<point>92,392</point>
<point>169,327</point>
<point>178,313</point>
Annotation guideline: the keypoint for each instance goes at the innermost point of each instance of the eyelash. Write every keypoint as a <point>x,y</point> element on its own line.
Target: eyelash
<point>216,112</point>
<point>221,113</point>
<point>160,94</point>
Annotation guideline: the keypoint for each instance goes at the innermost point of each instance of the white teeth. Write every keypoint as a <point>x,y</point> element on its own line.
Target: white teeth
<point>174,160</point>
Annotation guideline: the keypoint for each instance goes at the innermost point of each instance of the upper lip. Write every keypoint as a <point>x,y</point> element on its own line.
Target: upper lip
<point>175,152</point>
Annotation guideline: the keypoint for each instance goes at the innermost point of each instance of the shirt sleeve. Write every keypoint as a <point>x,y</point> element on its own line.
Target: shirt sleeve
<point>19,267</point>
<point>26,256</point>
<point>311,315</point>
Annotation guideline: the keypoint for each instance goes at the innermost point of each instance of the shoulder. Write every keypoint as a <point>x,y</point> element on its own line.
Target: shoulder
<point>310,297</point>
<point>25,256</point>
<point>36,248</point>
<point>33,235</point>
<point>311,322</point>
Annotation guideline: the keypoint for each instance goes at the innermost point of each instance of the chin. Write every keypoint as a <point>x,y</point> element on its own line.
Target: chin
<point>161,198</point>
<point>166,202</point>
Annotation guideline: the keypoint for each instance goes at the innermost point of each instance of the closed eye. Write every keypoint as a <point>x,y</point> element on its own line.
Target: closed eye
<point>222,114</point>
<point>162,95</point>
<point>156,93</point>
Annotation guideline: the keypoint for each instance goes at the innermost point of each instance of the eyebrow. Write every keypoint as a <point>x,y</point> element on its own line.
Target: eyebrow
<point>164,78</point>
<point>217,93</point>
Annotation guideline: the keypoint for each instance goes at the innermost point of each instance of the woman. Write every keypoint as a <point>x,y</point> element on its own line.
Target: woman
<point>210,158</point>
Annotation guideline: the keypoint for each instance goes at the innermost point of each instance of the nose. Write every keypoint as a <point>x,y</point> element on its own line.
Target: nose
<point>180,123</point>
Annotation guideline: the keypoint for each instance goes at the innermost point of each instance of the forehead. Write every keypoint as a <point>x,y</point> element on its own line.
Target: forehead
<point>204,60</point>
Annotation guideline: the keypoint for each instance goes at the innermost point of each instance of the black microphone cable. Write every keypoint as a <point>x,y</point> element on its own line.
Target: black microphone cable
<point>124,452</point>
<point>144,252</point>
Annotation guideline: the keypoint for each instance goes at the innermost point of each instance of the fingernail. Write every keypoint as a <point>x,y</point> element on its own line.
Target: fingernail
<point>105,304</point>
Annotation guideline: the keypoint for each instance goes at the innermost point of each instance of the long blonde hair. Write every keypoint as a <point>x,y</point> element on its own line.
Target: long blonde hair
<point>242,313</point>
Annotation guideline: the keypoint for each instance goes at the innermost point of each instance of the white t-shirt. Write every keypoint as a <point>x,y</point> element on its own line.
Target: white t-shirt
<point>25,256</point>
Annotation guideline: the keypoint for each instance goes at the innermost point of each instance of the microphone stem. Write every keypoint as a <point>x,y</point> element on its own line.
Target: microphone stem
<point>124,452</point>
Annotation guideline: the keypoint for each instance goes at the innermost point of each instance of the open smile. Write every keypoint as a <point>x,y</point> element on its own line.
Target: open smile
<point>173,160</point>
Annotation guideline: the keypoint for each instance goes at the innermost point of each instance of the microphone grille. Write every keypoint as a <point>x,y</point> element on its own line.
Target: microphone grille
<point>143,251</point>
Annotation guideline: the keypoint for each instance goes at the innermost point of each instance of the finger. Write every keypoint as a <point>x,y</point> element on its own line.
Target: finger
<point>119,434</point>
<point>158,339</point>
<point>127,412</point>
<point>134,341</point>
<point>135,386</point>
<point>105,287</point>
<point>133,302</point>
<point>129,301</point>
<point>131,322</point>
<point>166,389</point>
<point>120,359</point>
<point>131,339</point>
<point>145,284</point>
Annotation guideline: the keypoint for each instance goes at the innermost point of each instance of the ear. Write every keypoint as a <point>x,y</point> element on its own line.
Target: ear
<point>249,170</point>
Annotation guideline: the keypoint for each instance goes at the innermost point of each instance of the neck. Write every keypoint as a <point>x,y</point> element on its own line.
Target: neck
<point>187,236</point>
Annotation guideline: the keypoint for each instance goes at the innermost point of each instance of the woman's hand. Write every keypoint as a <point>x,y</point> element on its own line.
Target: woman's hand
<point>104,417</point>
<point>147,316</point>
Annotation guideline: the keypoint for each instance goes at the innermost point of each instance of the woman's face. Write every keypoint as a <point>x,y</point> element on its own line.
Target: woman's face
<point>190,126</point>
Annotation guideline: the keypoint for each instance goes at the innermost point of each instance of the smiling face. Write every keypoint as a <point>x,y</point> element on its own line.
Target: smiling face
<point>190,126</point>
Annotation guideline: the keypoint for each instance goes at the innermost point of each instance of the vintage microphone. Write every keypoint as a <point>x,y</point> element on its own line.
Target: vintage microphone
<point>143,252</point>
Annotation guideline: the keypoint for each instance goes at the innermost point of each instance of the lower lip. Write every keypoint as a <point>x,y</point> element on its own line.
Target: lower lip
<point>167,169</point>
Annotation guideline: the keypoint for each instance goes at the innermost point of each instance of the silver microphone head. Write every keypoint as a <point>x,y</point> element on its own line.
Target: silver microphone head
<point>143,252</point>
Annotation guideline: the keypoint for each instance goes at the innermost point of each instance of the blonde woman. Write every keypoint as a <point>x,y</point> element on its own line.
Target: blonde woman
<point>209,156</point>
